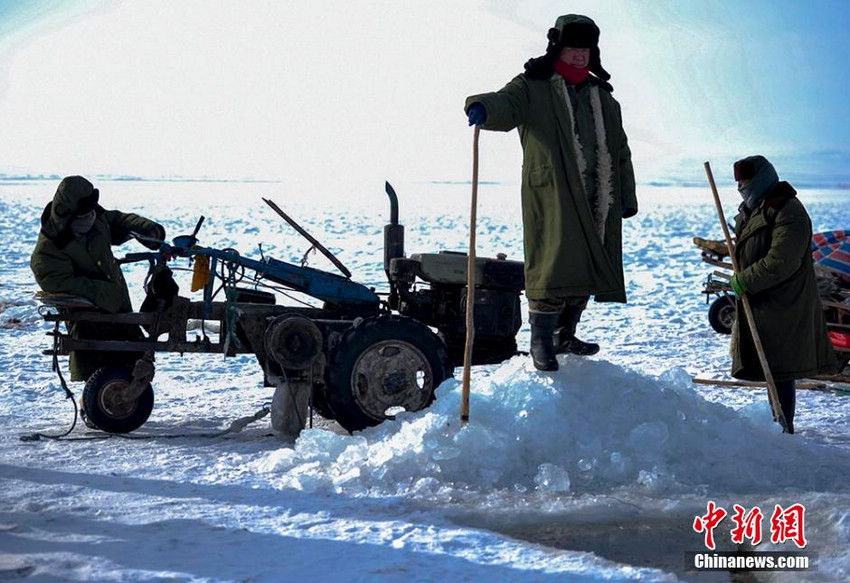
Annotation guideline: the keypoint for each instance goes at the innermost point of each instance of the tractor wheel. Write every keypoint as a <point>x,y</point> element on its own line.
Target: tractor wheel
<point>105,406</point>
<point>382,365</point>
<point>721,314</point>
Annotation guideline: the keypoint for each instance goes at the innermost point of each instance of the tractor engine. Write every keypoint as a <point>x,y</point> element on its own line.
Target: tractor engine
<point>431,288</point>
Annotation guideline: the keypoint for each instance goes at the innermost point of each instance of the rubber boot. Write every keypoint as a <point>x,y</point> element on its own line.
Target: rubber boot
<point>565,335</point>
<point>787,393</point>
<point>542,340</point>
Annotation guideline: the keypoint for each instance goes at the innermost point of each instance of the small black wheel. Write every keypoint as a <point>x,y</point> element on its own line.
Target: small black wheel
<point>722,313</point>
<point>105,405</point>
<point>381,366</point>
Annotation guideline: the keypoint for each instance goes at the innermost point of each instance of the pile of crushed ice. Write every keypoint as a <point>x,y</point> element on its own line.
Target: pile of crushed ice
<point>591,427</point>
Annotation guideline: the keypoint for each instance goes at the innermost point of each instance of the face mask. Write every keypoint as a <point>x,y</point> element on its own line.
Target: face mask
<point>83,224</point>
<point>759,185</point>
<point>749,194</point>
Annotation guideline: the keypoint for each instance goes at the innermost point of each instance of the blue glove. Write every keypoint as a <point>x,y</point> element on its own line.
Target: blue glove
<point>477,114</point>
<point>737,285</point>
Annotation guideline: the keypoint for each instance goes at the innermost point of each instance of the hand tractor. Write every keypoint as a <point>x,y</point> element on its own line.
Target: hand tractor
<point>359,359</point>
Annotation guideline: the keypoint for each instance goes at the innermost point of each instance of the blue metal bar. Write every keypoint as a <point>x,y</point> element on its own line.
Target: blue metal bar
<point>328,287</point>
<point>325,286</point>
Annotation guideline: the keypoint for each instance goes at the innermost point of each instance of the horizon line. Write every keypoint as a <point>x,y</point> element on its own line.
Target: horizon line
<point>660,183</point>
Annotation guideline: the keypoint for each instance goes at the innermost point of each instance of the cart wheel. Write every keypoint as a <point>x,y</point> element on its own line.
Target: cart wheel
<point>384,364</point>
<point>722,313</point>
<point>105,406</point>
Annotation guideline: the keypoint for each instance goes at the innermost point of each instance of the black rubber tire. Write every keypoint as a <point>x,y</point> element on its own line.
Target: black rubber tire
<point>96,403</point>
<point>722,313</point>
<point>373,339</point>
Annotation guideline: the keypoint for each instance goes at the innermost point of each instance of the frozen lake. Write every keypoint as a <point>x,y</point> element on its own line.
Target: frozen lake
<point>593,473</point>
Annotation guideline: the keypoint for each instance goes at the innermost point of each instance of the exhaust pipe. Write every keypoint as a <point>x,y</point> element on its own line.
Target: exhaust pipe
<point>393,232</point>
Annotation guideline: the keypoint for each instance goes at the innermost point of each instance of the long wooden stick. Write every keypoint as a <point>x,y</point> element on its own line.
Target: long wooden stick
<point>754,384</point>
<point>470,286</point>
<point>773,397</point>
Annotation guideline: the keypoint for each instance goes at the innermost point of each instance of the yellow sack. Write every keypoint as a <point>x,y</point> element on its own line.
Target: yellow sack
<point>201,272</point>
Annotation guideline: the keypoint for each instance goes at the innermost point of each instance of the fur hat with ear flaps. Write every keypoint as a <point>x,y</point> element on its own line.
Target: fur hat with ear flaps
<point>570,30</point>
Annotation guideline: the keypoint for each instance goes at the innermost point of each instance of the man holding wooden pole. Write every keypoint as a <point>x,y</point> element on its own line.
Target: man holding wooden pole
<point>577,183</point>
<point>774,271</point>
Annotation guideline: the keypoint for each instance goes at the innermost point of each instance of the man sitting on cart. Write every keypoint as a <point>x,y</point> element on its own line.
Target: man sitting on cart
<point>73,256</point>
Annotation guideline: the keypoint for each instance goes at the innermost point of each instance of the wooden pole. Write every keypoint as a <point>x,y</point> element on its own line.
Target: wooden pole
<point>773,397</point>
<point>470,286</point>
<point>755,384</point>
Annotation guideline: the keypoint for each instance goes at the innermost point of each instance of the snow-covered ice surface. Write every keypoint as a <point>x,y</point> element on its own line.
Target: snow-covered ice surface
<point>589,474</point>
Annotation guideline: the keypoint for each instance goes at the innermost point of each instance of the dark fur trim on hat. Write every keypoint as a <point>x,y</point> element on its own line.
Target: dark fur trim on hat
<point>601,83</point>
<point>542,67</point>
<point>579,35</point>
<point>595,66</point>
<point>744,169</point>
<point>575,35</point>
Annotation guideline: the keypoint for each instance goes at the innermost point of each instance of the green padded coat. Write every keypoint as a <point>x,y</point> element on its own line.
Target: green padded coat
<point>774,257</point>
<point>564,255</point>
<point>84,265</point>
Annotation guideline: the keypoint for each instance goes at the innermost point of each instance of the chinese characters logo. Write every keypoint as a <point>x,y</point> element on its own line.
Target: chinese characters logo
<point>786,524</point>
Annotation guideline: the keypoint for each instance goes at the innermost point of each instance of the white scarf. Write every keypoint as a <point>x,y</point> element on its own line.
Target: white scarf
<point>604,164</point>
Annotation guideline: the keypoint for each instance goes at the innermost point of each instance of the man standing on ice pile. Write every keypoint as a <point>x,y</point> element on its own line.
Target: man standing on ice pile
<point>773,249</point>
<point>577,183</point>
<point>73,255</point>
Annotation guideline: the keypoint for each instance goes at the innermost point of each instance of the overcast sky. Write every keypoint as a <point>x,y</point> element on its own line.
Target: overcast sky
<point>364,90</point>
